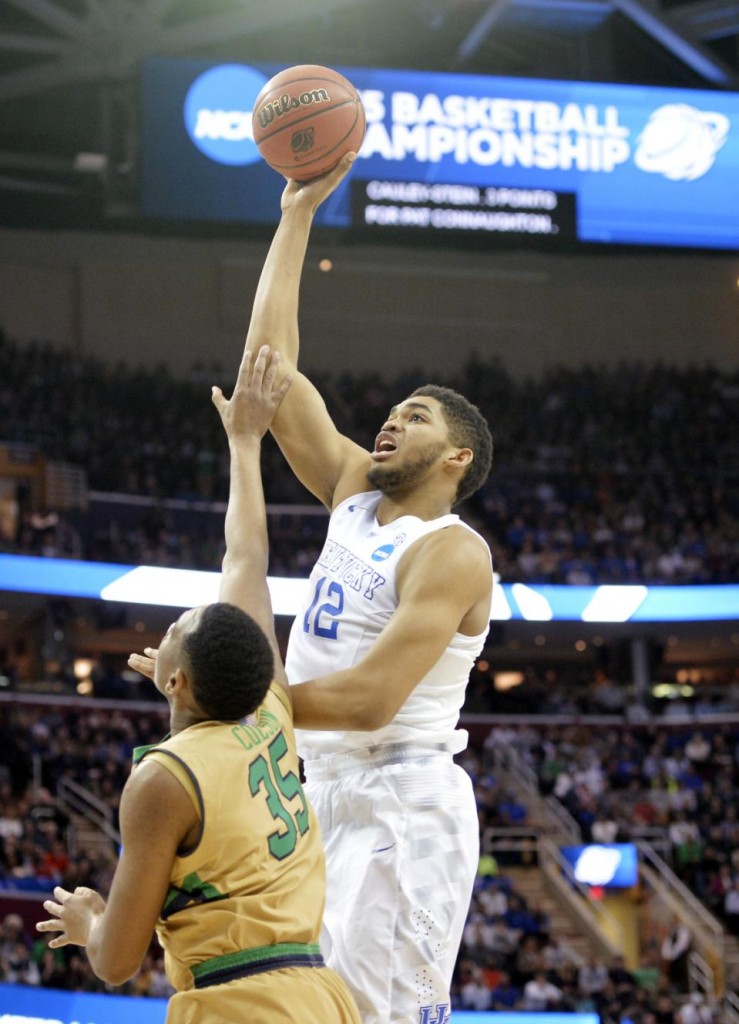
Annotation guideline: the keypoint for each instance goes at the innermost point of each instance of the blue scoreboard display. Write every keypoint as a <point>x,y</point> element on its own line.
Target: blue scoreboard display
<point>446,154</point>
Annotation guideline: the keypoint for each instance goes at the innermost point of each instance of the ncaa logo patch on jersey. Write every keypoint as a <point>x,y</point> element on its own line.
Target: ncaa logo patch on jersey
<point>383,552</point>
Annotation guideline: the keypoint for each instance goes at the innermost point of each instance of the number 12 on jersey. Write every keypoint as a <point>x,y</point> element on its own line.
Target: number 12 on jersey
<point>322,617</point>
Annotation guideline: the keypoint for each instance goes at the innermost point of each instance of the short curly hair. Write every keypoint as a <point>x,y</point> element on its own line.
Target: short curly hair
<point>231,662</point>
<point>467,429</point>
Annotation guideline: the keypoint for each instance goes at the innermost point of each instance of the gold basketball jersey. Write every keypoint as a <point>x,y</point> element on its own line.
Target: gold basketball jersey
<point>250,893</point>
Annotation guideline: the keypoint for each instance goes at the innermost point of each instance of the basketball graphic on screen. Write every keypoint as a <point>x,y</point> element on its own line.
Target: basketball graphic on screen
<point>305,119</point>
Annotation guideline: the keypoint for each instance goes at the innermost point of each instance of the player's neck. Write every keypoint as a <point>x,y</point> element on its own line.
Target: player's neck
<point>182,718</point>
<point>422,505</point>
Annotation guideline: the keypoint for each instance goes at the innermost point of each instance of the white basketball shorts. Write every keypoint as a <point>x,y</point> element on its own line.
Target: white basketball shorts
<point>401,836</point>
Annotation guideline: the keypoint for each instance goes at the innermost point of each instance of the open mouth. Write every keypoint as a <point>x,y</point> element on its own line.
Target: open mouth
<point>385,446</point>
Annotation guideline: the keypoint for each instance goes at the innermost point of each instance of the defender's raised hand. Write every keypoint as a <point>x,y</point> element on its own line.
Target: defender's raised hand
<point>256,397</point>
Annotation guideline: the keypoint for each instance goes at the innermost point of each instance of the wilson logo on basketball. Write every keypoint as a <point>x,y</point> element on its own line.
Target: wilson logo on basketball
<point>302,141</point>
<point>285,103</point>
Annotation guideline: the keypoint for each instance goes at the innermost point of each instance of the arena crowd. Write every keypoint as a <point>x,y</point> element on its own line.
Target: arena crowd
<point>601,474</point>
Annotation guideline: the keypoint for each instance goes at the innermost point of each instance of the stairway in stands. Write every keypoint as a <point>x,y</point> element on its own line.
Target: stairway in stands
<point>530,883</point>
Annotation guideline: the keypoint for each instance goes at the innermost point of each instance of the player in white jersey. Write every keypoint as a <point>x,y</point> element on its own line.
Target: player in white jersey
<point>399,598</point>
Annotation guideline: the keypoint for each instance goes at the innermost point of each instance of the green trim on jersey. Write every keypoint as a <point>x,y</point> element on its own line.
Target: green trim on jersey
<point>268,957</point>
<point>193,890</point>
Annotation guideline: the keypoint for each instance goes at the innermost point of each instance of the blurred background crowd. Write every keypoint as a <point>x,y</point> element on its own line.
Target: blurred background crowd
<point>601,475</point>
<point>624,784</point>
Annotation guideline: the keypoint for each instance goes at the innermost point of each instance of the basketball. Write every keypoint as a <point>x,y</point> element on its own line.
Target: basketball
<point>305,119</point>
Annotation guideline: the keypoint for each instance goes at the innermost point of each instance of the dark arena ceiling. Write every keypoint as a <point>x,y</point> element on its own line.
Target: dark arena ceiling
<point>68,68</point>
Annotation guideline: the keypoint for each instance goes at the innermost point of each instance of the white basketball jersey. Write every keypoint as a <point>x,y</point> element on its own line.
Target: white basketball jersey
<point>351,597</point>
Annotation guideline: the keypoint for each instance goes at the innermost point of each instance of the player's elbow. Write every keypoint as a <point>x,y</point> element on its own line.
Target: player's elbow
<point>115,969</point>
<point>373,713</point>
<point>115,976</point>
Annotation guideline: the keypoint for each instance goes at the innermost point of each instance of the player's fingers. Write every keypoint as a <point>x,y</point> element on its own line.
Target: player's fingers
<point>50,926</point>
<point>151,652</point>
<point>270,371</point>
<point>61,894</point>
<point>342,169</point>
<point>217,398</point>
<point>260,366</point>
<point>60,940</point>
<point>244,367</point>
<point>279,393</point>
<point>53,908</point>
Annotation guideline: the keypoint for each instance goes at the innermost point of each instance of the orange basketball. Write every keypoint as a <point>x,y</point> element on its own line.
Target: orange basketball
<point>305,119</point>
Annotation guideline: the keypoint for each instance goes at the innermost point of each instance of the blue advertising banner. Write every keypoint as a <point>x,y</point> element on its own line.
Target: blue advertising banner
<point>447,154</point>
<point>46,1006</point>
<point>186,588</point>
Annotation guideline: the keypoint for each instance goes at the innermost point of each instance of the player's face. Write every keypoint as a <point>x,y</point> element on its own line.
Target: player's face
<point>413,439</point>
<point>169,657</point>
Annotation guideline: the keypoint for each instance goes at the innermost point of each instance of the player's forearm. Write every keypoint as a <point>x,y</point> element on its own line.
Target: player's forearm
<point>109,959</point>
<point>274,319</point>
<point>343,700</point>
<point>246,515</point>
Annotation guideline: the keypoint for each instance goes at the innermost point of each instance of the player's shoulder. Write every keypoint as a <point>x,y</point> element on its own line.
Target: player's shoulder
<point>456,553</point>
<point>460,539</point>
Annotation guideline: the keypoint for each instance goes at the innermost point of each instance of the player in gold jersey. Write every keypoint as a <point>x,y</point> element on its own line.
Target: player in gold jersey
<point>220,849</point>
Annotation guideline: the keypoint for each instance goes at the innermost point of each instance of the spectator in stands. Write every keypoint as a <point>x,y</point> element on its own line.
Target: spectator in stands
<point>675,948</point>
<point>592,977</point>
<point>474,993</point>
<point>695,1011</point>
<point>540,995</point>
<point>504,995</point>
<point>17,967</point>
<point>731,907</point>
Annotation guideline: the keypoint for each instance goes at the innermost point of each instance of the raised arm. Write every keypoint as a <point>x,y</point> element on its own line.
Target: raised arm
<point>246,418</point>
<point>321,457</point>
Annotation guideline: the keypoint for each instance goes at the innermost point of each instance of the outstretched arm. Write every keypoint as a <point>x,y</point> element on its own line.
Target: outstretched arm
<point>321,457</point>
<point>246,418</point>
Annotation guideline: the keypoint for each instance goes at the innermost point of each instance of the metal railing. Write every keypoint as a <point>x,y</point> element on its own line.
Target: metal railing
<point>701,977</point>
<point>523,777</point>
<point>681,892</point>
<point>601,924</point>
<point>77,799</point>
<point>730,1008</point>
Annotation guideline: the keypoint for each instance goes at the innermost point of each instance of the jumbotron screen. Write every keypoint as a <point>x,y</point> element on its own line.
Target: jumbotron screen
<point>547,163</point>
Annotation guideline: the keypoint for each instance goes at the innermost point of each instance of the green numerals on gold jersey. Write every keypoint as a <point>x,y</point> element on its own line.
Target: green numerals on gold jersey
<point>278,785</point>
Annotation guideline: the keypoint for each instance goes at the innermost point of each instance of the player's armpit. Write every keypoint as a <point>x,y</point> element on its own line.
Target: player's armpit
<point>156,817</point>
<point>327,463</point>
<point>443,582</point>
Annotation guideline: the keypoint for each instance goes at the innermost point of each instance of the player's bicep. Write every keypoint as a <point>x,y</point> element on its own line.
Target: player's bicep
<point>322,458</point>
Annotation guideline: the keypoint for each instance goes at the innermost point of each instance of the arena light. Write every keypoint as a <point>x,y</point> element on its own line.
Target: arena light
<point>614,603</point>
<point>533,604</point>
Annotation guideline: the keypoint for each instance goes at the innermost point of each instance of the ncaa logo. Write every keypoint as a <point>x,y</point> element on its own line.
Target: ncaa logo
<point>383,552</point>
<point>217,113</point>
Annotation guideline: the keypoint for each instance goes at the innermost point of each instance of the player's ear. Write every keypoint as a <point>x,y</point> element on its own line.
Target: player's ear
<point>176,682</point>
<point>461,456</point>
